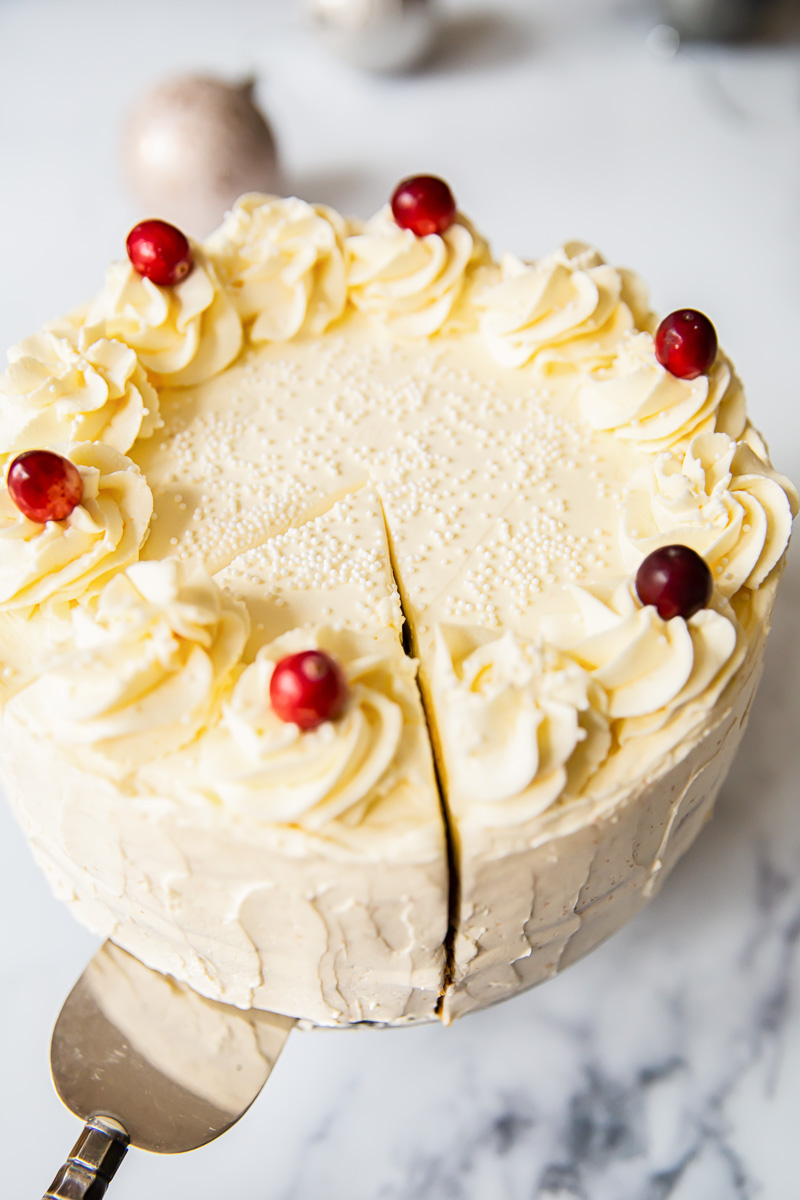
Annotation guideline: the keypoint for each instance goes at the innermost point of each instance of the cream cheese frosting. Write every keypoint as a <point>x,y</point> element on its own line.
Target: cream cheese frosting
<point>255,762</point>
<point>182,335</point>
<point>444,471</point>
<point>148,661</point>
<point>721,499</point>
<point>648,667</point>
<point>283,261</point>
<point>65,560</point>
<point>77,387</point>
<point>640,401</point>
<point>408,284</point>
<point>512,719</point>
<point>569,309</point>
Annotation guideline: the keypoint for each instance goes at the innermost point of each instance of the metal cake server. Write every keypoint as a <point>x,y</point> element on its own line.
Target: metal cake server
<point>147,1062</point>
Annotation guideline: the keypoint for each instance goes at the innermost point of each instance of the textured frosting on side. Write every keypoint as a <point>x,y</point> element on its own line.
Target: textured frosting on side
<point>76,387</point>
<point>183,334</point>
<point>511,716</point>
<point>537,897</point>
<point>721,499</point>
<point>245,911</point>
<point>569,309</point>
<point>640,401</point>
<point>144,671</point>
<point>66,559</point>
<point>405,283</point>
<point>647,666</point>
<point>283,261</point>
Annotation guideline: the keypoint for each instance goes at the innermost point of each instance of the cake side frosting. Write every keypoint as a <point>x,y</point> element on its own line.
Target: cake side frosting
<point>347,433</point>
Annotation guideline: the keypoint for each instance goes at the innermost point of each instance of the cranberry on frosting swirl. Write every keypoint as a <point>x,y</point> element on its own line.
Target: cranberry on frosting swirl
<point>516,721</point>
<point>640,401</point>
<point>648,667</point>
<point>148,660</point>
<point>283,261</point>
<point>410,284</point>
<point>182,334</point>
<point>272,769</point>
<point>73,386</point>
<point>721,499</point>
<point>101,536</point>
<point>569,309</point>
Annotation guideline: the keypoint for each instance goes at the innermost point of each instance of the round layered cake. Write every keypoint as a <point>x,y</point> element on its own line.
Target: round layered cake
<point>378,618</point>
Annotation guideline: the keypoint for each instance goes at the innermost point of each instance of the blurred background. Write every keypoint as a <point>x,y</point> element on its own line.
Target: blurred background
<point>667,132</point>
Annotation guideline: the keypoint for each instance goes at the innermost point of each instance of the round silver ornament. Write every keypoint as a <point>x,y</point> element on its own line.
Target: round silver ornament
<point>192,145</point>
<point>377,35</point>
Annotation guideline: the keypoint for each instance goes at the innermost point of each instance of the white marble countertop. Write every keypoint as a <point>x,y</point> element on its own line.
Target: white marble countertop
<point>667,1064</point>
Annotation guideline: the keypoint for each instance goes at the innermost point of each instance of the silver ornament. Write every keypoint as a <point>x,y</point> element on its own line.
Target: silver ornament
<point>377,35</point>
<point>192,145</point>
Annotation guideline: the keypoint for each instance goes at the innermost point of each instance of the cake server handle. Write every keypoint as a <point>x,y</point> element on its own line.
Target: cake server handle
<point>93,1162</point>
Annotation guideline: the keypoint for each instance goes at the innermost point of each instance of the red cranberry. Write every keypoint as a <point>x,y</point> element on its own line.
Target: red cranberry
<point>308,688</point>
<point>159,252</point>
<point>686,343</point>
<point>424,204</point>
<point>675,580</point>
<point>44,486</point>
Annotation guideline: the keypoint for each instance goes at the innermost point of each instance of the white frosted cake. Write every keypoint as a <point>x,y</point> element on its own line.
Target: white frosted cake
<point>337,679</point>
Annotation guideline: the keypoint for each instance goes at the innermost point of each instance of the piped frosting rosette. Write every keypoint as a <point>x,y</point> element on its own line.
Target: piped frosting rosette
<point>649,668</point>
<point>519,722</point>
<point>272,770</point>
<point>75,385</point>
<point>639,401</point>
<point>570,309</point>
<point>182,334</point>
<point>721,499</point>
<point>283,262</point>
<point>407,283</point>
<point>67,559</point>
<point>147,663</point>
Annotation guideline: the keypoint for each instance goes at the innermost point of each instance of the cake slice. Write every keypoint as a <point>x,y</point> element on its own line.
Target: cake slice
<point>300,872</point>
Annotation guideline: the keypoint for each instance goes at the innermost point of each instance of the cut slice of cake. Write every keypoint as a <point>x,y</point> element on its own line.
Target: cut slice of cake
<point>300,872</point>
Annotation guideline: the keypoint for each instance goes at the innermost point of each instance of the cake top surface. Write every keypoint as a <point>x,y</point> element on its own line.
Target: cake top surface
<point>325,431</point>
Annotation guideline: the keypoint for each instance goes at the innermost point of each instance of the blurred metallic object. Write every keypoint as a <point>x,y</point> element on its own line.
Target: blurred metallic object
<point>147,1062</point>
<point>377,35</point>
<point>713,19</point>
<point>192,145</point>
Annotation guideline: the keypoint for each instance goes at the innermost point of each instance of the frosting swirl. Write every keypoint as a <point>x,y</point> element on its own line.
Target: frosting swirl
<point>722,500</point>
<point>648,667</point>
<point>102,535</point>
<point>80,386</point>
<point>274,770</point>
<point>512,716</point>
<point>182,334</point>
<point>408,283</point>
<point>640,401</point>
<point>148,661</point>
<point>569,309</point>
<point>283,261</point>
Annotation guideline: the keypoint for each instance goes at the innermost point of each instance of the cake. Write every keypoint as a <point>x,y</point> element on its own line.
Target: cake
<point>378,619</point>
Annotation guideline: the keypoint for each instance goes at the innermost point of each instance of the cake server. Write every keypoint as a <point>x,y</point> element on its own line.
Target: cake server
<point>145,1061</point>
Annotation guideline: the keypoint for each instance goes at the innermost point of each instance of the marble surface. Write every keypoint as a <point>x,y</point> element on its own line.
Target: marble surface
<point>667,1064</point>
